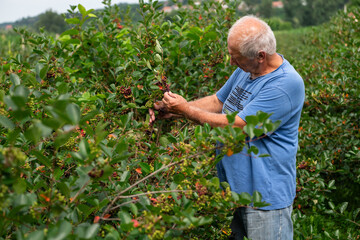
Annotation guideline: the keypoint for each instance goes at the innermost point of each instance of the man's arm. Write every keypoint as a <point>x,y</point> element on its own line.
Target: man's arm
<point>209,104</point>
<point>178,105</point>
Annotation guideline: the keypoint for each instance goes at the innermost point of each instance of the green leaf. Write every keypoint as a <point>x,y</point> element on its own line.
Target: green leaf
<point>70,32</point>
<point>134,209</point>
<point>253,149</point>
<point>84,148</point>
<point>36,131</point>
<point>331,204</point>
<point>245,198</point>
<point>64,189</point>
<point>145,167</point>
<point>124,176</point>
<point>30,78</point>
<point>258,132</point>
<point>210,36</point>
<point>37,235</point>
<point>41,158</point>
<point>148,64</point>
<point>108,170</point>
<point>73,41</point>
<point>20,186</point>
<point>52,123</point>
<point>157,58</point>
<point>164,141</point>
<point>178,178</point>
<point>43,72</point>
<point>21,91</point>
<point>262,116</point>
<point>85,209</point>
<point>158,47</point>
<point>92,231</point>
<point>15,79</point>
<point>73,112</point>
<point>231,118</point>
<point>224,185</point>
<point>6,123</point>
<point>264,155</point>
<point>58,173</point>
<point>92,15</point>
<point>38,68</point>
<point>252,120</point>
<point>125,217</point>
<point>61,232</point>
<point>257,196</point>
<point>355,213</point>
<point>331,183</point>
<point>343,207</point>
<point>327,234</point>
<point>82,10</point>
<point>72,20</point>
<point>193,36</point>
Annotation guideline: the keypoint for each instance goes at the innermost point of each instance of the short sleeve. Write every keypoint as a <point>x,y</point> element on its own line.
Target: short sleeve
<point>225,90</point>
<point>270,99</point>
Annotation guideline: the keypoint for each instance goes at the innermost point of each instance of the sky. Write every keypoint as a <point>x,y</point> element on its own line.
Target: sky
<point>12,10</point>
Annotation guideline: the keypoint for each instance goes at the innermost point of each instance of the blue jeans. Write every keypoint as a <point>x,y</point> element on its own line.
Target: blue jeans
<point>261,224</point>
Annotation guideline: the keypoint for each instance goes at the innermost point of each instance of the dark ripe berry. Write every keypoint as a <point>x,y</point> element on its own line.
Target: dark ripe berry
<point>50,74</point>
<point>94,173</point>
<point>126,92</point>
<point>200,189</point>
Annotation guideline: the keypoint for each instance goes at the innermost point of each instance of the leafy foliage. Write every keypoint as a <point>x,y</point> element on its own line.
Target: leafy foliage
<point>328,160</point>
<point>79,160</point>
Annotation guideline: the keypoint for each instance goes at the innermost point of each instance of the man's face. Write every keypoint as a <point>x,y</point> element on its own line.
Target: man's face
<point>246,64</point>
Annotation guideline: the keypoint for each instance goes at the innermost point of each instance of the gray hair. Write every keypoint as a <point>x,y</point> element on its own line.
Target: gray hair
<point>250,42</point>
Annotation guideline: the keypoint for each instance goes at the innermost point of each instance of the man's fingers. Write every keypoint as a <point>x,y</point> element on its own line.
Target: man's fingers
<point>173,95</point>
<point>152,115</point>
<point>159,105</point>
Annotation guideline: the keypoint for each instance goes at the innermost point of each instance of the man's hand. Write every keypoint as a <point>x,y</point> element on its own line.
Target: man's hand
<point>158,106</point>
<point>163,112</point>
<point>174,102</point>
<point>171,100</point>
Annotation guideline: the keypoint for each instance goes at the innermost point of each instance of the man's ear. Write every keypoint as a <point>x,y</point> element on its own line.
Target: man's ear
<point>261,56</point>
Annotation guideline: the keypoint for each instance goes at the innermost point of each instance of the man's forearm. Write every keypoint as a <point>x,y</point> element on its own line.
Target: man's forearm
<point>202,116</point>
<point>210,104</point>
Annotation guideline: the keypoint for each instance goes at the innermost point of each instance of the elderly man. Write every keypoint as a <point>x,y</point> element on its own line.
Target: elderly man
<point>264,81</point>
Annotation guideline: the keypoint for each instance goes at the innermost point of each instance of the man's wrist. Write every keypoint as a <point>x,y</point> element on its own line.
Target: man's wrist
<point>182,108</point>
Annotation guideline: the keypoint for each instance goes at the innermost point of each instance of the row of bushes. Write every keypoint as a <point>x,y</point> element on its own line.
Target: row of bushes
<point>79,159</point>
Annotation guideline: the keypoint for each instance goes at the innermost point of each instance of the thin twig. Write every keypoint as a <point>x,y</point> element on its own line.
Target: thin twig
<point>153,192</point>
<point>123,204</point>
<point>138,182</point>
<point>78,193</point>
<point>353,222</point>
<point>110,219</point>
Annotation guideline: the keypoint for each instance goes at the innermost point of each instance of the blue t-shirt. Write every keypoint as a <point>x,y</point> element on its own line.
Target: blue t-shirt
<point>282,93</point>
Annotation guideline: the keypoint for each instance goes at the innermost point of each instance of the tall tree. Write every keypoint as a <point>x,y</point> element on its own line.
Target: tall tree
<point>314,12</point>
<point>51,21</point>
<point>265,8</point>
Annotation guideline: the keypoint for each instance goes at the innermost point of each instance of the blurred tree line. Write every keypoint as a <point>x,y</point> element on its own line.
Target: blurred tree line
<point>295,13</point>
<point>299,12</point>
<point>51,22</point>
